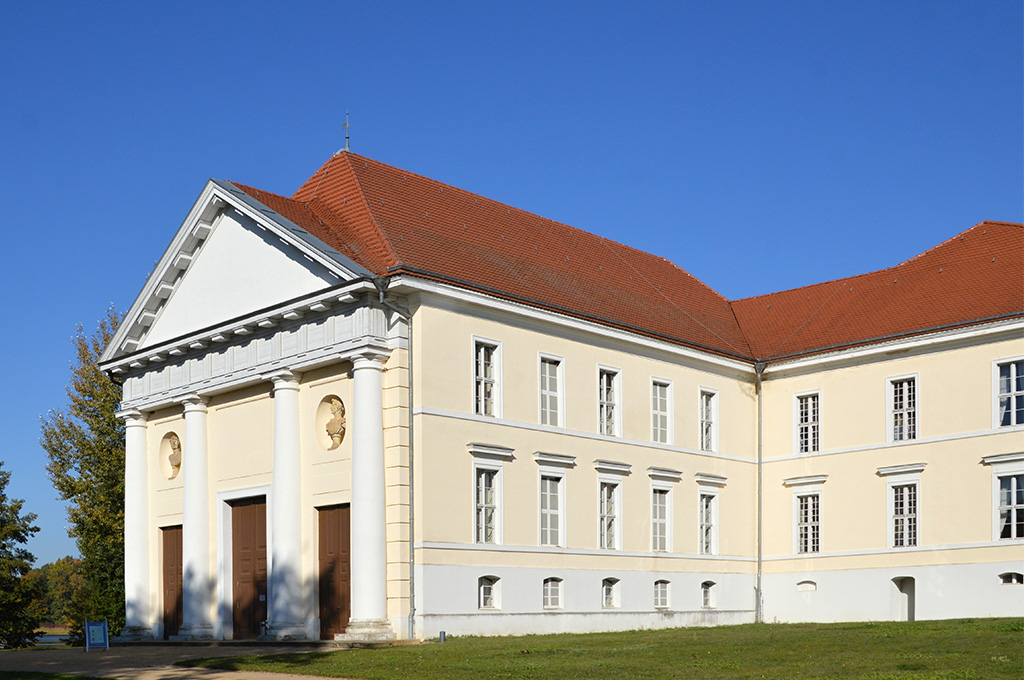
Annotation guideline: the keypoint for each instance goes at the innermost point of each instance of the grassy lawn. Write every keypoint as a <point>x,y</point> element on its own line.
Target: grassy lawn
<point>984,649</point>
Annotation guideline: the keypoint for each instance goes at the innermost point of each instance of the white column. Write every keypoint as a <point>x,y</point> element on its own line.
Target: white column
<point>195,550</point>
<point>137,622</point>
<point>369,557</point>
<point>286,620</point>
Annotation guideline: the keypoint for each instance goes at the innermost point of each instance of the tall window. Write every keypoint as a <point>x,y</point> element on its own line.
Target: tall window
<point>550,392</point>
<point>1011,506</point>
<point>486,505</point>
<point>552,593</point>
<point>808,523</point>
<point>486,379</point>
<point>609,515</point>
<point>707,420</point>
<point>904,515</point>
<point>808,423</point>
<point>610,593</point>
<point>661,594</point>
<point>659,412</point>
<point>487,592</point>
<point>707,523</point>
<point>1011,393</point>
<point>659,520</point>
<point>550,510</point>
<point>608,402</point>
<point>904,409</point>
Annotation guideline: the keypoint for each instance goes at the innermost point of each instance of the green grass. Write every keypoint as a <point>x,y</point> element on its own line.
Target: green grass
<point>984,649</point>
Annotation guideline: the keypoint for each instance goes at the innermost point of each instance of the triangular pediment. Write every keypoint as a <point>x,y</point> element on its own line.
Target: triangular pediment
<point>231,257</point>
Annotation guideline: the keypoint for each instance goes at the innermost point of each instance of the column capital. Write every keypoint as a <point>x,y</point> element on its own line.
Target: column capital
<point>283,379</point>
<point>193,403</point>
<point>369,358</point>
<point>132,417</point>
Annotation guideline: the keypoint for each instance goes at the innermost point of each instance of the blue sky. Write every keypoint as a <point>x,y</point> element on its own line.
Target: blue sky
<point>758,145</point>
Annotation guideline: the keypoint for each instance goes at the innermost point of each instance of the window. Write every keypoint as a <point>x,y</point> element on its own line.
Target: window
<point>610,593</point>
<point>550,510</point>
<point>903,416</point>
<point>1007,495</point>
<point>552,593</point>
<point>708,487</point>
<point>707,595</point>
<point>659,519</point>
<point>486,505</point>
<point>487,592</point>
<point>708,420</point>
<point>660,409</point>
<point>550,391</point>
<point>609,515</point>
<point>661,594</point>
<point>808,428</point>
<point>808,523</point>
<point>1010,377</point>
<point>486,372</point>
<point>1011,506</point>
<point>607,397</point>
<point>1012,578</point>
<point>904,515</point>
<point>487,465</point>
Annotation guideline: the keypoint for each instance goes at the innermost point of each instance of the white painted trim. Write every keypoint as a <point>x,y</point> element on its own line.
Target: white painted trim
<point>554,459</point>
<point>889,420</point>
<point>494,464</point>
<point>610,467</point>
<point>670,409</point>
<point>664,474</point>
<point>223,620</point>
<point>554,466</point>
<point>706,479</point>
<point>499,378</point>
<point>802,489</point>
<point>875,447</point>
<point>1003,465</point>
<point>909,475</point>
<point>586,552</point>
<point>708,489</point>
<point>797,396</point>
<point>905,471</point>
<point>458,415</point>
<point>701,391</point>
<point>661,483</point>
<point>996,363</point>
<point>618,404</point>
<point>884,551</point>
<point>560,392</point>
<point>615,478</point>
<point>804,481</point>
<point>1003,459</point>
<point>493,451</point>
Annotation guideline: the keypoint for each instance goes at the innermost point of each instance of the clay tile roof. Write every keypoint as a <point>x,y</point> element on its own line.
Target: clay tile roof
<point>392,221</point>
<point>975,276</point>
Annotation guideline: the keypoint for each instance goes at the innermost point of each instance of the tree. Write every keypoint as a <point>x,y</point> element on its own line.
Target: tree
<point>17,623</point>
<point>85,445</point>
<point>59,583</point>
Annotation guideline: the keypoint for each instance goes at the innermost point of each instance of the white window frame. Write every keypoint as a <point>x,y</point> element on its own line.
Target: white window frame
<point>708,595</point>
<point>1003,465</point>
<point>559,392</point>
<point>708,485</point>
<point>995,394</point>
<point>890,408</point>
<point>552,466</point>
<point>615,403</point>
<point>478,380</point>
<point>663,480</point>
<point>812,448</point>
<point>711,436</point>
<point>669,434</point>
<point>610,593</point>
<point>662,594</point>
<point>902,476</point>
<point>551,593</point>
<point>493,583</point>
<point>811,485</point>
<point>490,458</point>
<point>613,473</point>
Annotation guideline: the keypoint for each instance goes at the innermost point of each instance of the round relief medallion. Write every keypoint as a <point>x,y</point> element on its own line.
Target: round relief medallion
<point>170,455</point>
<point>330,422</point>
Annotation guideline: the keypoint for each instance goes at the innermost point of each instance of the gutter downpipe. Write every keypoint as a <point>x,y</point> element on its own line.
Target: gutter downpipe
<point>382,284</point>
<point>758,608</point>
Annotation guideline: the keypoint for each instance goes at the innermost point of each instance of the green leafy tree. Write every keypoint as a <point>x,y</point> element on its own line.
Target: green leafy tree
<point>17,623</point>
<point>85,445</point>
<point>59,583</point>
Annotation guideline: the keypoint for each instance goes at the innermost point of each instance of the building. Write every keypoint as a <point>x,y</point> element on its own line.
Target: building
<point>387,407</point>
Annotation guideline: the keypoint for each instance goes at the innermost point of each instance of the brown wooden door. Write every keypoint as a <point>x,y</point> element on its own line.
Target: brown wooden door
<point>249,566</point>
<point>335,594</point>
<point>171,539</point>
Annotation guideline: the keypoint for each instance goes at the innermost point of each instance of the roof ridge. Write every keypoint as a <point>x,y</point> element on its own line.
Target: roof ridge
<point>374,222</point>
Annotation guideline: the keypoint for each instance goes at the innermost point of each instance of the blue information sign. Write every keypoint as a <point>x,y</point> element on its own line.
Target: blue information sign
<point>96,635</point>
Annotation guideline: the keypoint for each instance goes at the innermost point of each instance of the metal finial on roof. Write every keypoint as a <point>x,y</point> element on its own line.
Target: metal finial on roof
<point>345,127</point>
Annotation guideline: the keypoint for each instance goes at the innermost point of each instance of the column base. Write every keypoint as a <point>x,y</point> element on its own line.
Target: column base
<point>193,631</point>
<point>367,631</point>
<point>282,630</point>
<point>134,634</point>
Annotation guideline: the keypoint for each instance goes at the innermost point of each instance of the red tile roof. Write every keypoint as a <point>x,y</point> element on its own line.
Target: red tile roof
<point>392,221</point>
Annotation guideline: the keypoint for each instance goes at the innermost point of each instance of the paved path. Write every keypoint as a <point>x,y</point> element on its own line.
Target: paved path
<point>145,662</point>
